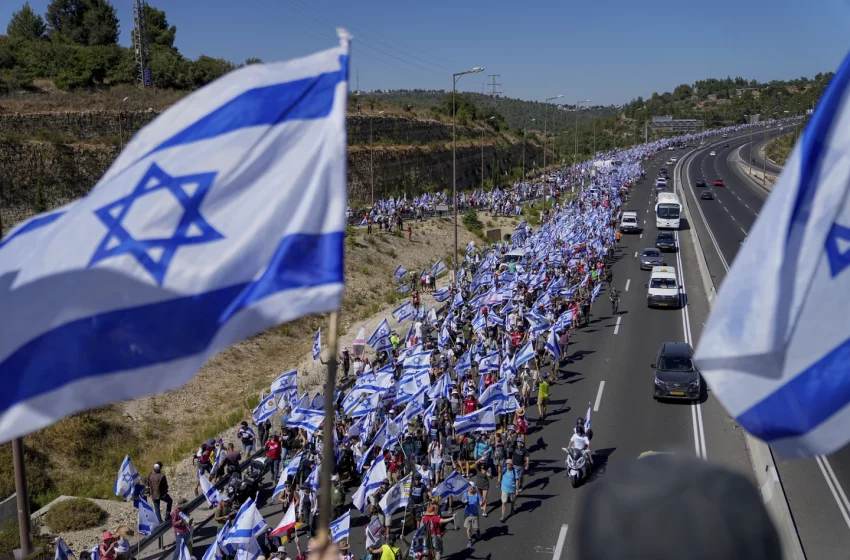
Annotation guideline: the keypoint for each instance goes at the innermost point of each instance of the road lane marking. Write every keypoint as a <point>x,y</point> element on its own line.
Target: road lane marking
<point>635,253</point>
<point>640,236</point>
<point>745,231</point>
<point>598,396</point>
<point>834,487</point>
<point>617,326</point>
<point>559,546</point>
<point>644,221</point>
<point>629,281</point>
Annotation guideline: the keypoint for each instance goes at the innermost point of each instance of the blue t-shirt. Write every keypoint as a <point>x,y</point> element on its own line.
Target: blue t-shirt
<point>509,481</point>
<point>470,504</point>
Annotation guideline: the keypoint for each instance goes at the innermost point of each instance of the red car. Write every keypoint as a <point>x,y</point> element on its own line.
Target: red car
<point>718,182</point>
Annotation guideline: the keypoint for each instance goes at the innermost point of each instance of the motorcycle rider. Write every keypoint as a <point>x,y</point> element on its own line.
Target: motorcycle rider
<point>581,442</point>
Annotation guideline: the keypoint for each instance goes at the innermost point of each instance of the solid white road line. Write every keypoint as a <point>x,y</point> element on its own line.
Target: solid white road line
<point>834,487</point>
<point>617,326</point>
<point>635,254</point>
<point>598,397</point>
<point>559,546</point>
<point>629,281</point>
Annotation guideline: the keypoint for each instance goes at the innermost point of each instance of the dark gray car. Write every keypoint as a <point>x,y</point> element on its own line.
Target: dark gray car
<point>651,257</point>
<point>676,375</point>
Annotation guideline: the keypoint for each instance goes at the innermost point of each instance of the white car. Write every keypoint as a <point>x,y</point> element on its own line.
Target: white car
<point>671,148</point>
<point>674,159</point>
<point>670,162</point>
<point>712,153</point>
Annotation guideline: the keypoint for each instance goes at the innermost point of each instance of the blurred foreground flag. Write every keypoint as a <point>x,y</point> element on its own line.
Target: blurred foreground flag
<point>223,217</point>
<point>776,348</point>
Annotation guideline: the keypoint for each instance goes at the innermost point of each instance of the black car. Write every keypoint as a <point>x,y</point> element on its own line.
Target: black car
<point>663,172</point>
<point>676,376</point>
<point>725,145</point>
<point>702,183</point>
<point>666,241</point>
<point>707,195</point>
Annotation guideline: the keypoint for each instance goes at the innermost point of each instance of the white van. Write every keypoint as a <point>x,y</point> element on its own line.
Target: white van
<point>663,288</point>
<point>629,223</point>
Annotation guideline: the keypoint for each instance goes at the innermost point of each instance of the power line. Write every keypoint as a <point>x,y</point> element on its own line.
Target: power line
<point>495,92</point>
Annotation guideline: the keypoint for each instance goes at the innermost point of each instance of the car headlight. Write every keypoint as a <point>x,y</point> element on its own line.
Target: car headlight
<point>659,383</point>
<point>694,384</point>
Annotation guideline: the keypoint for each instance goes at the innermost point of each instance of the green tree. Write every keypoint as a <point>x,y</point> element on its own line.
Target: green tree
<point>207,69</point>
<point>159,32</point>
<point>252,60</point>
<point>26,24</point>
<point>101,23</point>
<point>82,22</point>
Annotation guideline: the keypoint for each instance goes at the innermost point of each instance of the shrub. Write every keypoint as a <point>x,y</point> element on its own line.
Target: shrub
<point>10,537</point>
<point>471,221</point>
<point>73,515</point>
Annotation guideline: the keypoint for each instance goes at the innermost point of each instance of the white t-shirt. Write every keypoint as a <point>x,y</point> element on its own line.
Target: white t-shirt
<point>580,442</point>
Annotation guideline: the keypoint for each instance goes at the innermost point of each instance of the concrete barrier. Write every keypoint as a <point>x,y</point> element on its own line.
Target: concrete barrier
<point>8,507</point>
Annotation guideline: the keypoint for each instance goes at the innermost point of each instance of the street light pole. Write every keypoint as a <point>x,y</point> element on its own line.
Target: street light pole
<point>372,160</point>
<point>454,151</point>
<point>545,183</point>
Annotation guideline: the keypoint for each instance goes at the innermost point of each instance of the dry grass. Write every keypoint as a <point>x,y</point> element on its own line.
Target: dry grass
<point>73,515</point>
<point>46,98</point>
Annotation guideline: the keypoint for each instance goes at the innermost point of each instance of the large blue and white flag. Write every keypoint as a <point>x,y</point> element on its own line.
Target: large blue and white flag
<point>126,479</point>
<point>417,361</point>
<point>211,493</point>
<point>285,382</point>
<point>340,527</point>
<point>147,518</point>
<point>458,300</point>
<point>223,217</point>
<point>265,410</point>
<point>454,485</point>
<point>411,385</point>
<point>403,288</point>
<point>317,345</point>
<point>306,419</point>
<point>442,294</point>
<point>438,268</point>
<point>403,312</point>
<point>400,273</point>
<point>776,345</point>
<point>489,363</point>
<point>464,363</point>
<point>376,474</point>
<point>63,551</point>
<point>247,524</point>
<point>553,346</point>
<point>380,339</point>
<point>525,354</point>
<point>441,388</point>
<point>397,496</point>
<point>482,420</point>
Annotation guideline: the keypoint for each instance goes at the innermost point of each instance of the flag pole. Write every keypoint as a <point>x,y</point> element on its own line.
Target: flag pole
<point>22,496</point>
<point>323,534</point>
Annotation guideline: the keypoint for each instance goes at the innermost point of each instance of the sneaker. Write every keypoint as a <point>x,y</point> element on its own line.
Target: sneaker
<point>469,545</point>
<point>484,514</point>
<point>502,520</point>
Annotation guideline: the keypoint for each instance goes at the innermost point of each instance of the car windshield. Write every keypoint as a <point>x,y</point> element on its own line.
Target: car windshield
<point>663,283</point>
<point>676,363</point>
<point>668,211</point>
<point>651,253</point>
<point>665,236</point>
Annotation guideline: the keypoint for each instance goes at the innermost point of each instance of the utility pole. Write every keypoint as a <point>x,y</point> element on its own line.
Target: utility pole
<point>495,92</point>
<point>358,81</point>
<point>140,43</point>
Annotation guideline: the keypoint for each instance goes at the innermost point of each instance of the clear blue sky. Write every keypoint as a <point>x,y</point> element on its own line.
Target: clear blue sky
<point>609,52</point>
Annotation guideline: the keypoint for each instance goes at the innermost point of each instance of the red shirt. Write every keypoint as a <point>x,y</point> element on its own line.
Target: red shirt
<point>469,405</point>
<point>434,522</point>
<point>273,449</point>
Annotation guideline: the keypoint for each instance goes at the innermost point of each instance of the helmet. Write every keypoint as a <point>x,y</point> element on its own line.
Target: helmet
<point>579,422</point>
<point>417,476</point>
<point>580,430</point>
<point>231,469</point>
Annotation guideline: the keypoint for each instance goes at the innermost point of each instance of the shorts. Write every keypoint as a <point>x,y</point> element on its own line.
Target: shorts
<point>506,497</point>
<point>484,487</point>
<point>437,543</point>
<point>471,522</point>
<point>543,401</point>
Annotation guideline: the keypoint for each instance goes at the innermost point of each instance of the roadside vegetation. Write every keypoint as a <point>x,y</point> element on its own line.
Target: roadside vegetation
<point>779,149</point>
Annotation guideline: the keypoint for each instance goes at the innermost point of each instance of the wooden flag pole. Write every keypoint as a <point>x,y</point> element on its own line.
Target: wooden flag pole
<point>323,534</point>
<point>22,496</point>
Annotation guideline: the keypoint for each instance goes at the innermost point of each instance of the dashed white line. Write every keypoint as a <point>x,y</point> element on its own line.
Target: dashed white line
<point>644,221</point>
<point>635,253</point>
<point>745,231</point>
<point>598,396</point>
<point>559,546</point>
<point>733,218</point>
<point>617,326</point>
<point>629,281</point>
<point>640,236</point>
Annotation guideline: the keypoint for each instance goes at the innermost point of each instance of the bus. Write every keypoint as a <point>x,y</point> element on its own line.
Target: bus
<point>668,210</point>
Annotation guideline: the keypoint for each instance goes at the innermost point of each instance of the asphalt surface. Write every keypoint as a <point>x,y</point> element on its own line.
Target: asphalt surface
<point>758,141</point>
<point>814,488</point>
<point>610,368</point>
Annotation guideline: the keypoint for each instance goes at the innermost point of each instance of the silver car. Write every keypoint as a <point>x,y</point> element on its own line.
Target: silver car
<point>651,257</point>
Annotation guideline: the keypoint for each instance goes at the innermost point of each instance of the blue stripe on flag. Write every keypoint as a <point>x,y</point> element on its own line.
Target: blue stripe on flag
<point>308,98</point>
<point>815,395</point>
<point>159,332</point>
<point>36,223</point>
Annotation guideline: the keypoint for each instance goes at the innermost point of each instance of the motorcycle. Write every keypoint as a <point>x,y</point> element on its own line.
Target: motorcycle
<point>578,467</point>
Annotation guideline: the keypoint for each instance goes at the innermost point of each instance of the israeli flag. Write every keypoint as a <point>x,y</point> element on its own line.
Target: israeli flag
<point>397,496</point>
<point>440,388</point>
<point>411,386</point>
<point>595,292</point>
<point>775,347</point>
<point>438,268</point>
<point>403,288</point>
<point>306,419</point>
<point>223,217</point>
<point>430,415</point>
<point>362,403</point>
<point>454,485</point>
<point>442,294</point>
<point>479,322</point>
<point>126,479</point>
<point>380,339</point>
<point>564,321</point>
<point>63,551</point>
<point>340,527</point>
<point>444,339</point>
<point>265,410</point>
<point>400,273</point>
<point>587,417</point>
<point>464,363</point>
<point>317,345</point>
<point>553,346</point>
<point>458,300</point>
<point>525,354</point>
<point>210,492</point>
<point>183,553</point>
<point>94,552</point>
<point>489,363</point>
<point>414,407</point>
<point>147,520</point>
<point>507,370</point>
<point>376,474</point>
<point>403,312</point>
<point>285,382</point>
<point>417,361</point>
<point>482,420</point>
<point>247,524</point>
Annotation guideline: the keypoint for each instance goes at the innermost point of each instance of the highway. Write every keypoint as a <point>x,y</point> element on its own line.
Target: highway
<point>814,488</point>
<point>758,142</point>
<point>610,368</point>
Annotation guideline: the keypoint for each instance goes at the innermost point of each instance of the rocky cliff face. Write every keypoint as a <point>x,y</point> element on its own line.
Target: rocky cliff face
<point>405,156</point>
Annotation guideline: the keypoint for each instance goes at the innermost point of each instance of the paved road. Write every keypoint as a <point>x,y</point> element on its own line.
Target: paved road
<point>814,487</point>
<point>759,140</point>
<point>610,368</point>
